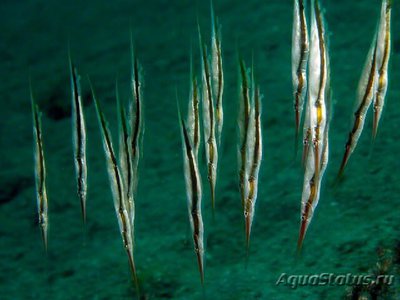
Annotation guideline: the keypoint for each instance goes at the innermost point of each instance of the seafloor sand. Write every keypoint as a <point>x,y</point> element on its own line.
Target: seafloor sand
<point>351,221</point>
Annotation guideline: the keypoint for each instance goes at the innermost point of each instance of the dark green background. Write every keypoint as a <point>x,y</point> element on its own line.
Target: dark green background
<point>351,220</point>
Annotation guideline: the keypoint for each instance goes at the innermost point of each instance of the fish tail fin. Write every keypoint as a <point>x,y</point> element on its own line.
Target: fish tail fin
<point>201,266</point>
<point>133,272</point>
<point>302,233</point>
<point>212,200</point>
<point>375,123</point>
<point>343,164</point>
<point>248,232</point>
<point>83,209</point>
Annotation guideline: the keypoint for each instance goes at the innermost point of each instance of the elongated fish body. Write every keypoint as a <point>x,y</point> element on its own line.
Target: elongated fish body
<point>125,160</point>
<point>308,197</point>
<point>243,124</point>
<point>217,73</point>
<point>209,122</point>
<point>382,62</point>
<point>117,188</point>
<point>317,82</point>
<point>306,134</point>
<point>300,49</point>
<point>193,119</point>
<point>255,152</point>
<point>40,173</point>
<point>194,196</point>
<point>317,117</point>
<point>79,138</point>
<point>312,186</point>
<point>365,95</point>
<point>135,112</point>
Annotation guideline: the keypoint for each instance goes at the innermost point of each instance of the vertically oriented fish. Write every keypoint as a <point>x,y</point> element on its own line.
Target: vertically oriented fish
<point>318,74</point>
<point>300,49</point>
<point>306,134</point>
<point>254,148</point>
<point>317,118</point>
<point>40,172</point>
<point>79,137</point>
<point>125,159</point>
<point>382,61</point>
<point>194,195</point>
<point>217,73</point>
<point>365,95</point>
<point>243,123</point>
<point>193,111</point>
<point>135,113</point>
<point>117,188</point>
<point>209,121</point>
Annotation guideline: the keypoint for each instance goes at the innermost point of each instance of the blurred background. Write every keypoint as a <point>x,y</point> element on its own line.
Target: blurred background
<point>354,222</point>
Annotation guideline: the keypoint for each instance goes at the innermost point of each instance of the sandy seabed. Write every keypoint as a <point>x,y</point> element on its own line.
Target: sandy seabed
<point>351,222</point>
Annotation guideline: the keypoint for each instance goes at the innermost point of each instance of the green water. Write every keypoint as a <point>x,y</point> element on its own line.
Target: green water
<point>352,220</point>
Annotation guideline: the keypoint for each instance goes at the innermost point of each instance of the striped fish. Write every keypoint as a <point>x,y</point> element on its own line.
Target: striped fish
<point>117,188</point>
<point>193,119</point>
<point>125,159</point>
<point>365,95</point>
<point>40,172</point>
<point>318,82</point>
<point>209,122</point>
<point>243,123</point>
<point>194,195</point>
<point>135,113</point>
<point>382,61</point>
<point>300,49</point>
<point>317,117</point>
<point>254,148</point>
<point>79,137</point>
<point>217,73</point>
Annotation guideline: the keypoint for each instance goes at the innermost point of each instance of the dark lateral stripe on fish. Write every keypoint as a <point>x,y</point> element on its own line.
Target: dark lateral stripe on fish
<point>322,83</point>
<point>194,102</point>
<point>306,145</point>
<point>121,209</point>
<point>253,178</point>
<point>195,200</point>
<point>209,91</point>
<point>216,40</point>
<point>246,113</point>
<point>126,150</point>
<point>357,114</point>
<point>245,94</point>
<point>321,37</point>
<point>196,134</point>
<point>257,145</point>
<point>191,159</point>
<point>80,142</point>
<point>302,61</point>
<point>38,131</point>
<point>40,173</point>
<point>108,144</point>
<point>305,215</point>
<point>136,86</point>
<point>138,108</point>
<point>206,69</point>
<point>210,123</point>
<point>125,135</point>
<point>383,76</point>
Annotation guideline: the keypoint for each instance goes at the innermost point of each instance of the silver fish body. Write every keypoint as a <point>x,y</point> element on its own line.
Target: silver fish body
<point>40,173</point>
<point>79,138</point>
